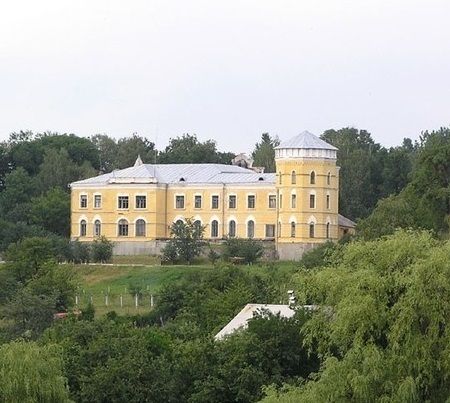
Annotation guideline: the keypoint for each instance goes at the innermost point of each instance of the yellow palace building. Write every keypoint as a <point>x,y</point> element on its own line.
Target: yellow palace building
<point>296,208</point>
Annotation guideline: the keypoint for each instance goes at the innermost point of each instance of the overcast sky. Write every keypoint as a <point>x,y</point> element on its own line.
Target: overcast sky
<point>226,70</point>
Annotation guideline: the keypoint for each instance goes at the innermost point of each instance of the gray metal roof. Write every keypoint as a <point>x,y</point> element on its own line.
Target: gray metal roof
<point>345,222</point>
<point>306,140</point>
<point>181,173</point>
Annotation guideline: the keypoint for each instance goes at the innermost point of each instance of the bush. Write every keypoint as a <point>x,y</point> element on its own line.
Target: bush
<point>79,252</point>
<point>213,256</point>
<point>247,249</point>
<point>101,250</point>
<point>169,253</point>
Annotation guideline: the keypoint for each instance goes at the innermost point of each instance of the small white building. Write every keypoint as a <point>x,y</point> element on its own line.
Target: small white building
<point>240,321</point>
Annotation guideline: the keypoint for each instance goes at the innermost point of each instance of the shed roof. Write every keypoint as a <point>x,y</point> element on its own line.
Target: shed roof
<point>345,222</point>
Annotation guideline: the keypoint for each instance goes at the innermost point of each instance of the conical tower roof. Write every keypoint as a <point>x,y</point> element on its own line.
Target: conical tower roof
<point>306,140</point>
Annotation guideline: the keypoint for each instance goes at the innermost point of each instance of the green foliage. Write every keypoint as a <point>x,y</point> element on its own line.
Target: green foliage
<point>31,373</point>
<point>187,149</point>
<point>381,326</point>
<point>249,250</point>
<point>264,152</point>
<point>186,242</point>
<point>101,250</point>
<point>79,252</point>
<point>51,211</point>
<point>318,256</point>
<point>88,313</point>
<point>213,255</point>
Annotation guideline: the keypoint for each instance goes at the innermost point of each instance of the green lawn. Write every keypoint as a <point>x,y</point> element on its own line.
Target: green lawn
<point>119,283</point>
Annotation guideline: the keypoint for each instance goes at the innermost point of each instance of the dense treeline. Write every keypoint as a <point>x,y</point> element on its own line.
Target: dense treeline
<point>35,170</point>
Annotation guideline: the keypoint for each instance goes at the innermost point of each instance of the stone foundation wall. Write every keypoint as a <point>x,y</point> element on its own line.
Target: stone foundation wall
<point>293,251</point>
<point>139,248</point>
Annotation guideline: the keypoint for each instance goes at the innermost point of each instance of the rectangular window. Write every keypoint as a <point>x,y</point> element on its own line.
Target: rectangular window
<point>328,202</point>
<point>123,202</point>
<point>215,202</point>
<point>294,201</point>
<point>270,230</point>
<point>141,201</point>
<point>97,201</point>
<point>179,201</point>
<point>83,201</point>
<point>232,201</point>
<point>197,201</point>
<point>312,201</point>
<point>292,229</point>
<point>281,201</point>
<point>272,201</point>
<point>251,201</point>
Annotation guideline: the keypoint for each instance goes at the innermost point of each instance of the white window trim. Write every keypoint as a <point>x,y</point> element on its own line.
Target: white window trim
<point>117,201</point>
<point>268,201</point>
<point>146,202</point>
<point>175,201</point>
<point>312,192</point>
<point>246,201</point>
<point>87,200</point>
<point>101,200</point>
<point>193,201</point>
<point>211,201</point>
<point>228,201</point>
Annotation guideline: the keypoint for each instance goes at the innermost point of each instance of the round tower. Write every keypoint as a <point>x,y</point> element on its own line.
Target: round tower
<point>307,184</point>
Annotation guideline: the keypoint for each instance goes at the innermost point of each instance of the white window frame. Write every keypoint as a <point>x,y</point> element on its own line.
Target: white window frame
<point>175,201</point>
<point>135,201</point>
<point>99,195</point>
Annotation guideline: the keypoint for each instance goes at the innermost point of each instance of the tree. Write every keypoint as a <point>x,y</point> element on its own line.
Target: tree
<point>187,149</point>
<point>187,240</point>
<point>264,152</point>
<point>32,373</point>
<point>58,170</point>
<point>101,250</point>
<point>51,211</point>
<point>128,148</point>
<point>249,250</point>
<point>381,323</point>
<point>107,149</point>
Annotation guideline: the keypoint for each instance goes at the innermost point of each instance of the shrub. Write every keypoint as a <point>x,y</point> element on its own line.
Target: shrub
<point>79,252</point>
<point>247,249</point>
<point>169,253</point>
<point>101,250</point>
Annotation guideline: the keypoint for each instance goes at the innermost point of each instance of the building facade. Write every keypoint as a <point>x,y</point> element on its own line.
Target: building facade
<point>296,207</point>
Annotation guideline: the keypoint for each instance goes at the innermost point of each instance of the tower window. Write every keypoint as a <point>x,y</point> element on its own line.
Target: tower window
<point>293,201</point>
<point>293,178</point>
<point>312,201</point>
<point>328,230</point>
<point>312,178</point>
<point>328,202</point>
<point>329,178</point>
<point>280,180</point>
<point>311,230</point>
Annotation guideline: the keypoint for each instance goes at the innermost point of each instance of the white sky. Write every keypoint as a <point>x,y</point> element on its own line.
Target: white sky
<point>226,70</point>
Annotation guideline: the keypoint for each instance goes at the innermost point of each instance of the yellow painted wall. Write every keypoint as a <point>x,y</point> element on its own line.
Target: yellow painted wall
<point>161,209</point>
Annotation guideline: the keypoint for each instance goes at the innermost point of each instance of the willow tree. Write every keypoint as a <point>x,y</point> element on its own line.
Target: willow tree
<point>30,373</point>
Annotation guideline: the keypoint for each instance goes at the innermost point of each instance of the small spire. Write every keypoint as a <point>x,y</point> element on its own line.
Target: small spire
<point>138,161</point>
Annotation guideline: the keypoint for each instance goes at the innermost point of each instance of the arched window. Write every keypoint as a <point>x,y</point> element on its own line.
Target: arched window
<point>97,228</point>
<point>312,178</point>
<point>232,229</point>
<point>280,178</point>
<point>140,227</point>
<point>292,229</point>
<point>328,230</point>
<point>293,201</point>
<point>293,178</point>
<point>83,228</point>
<point>311,230</point>
<point>198,226</point>
<point>179,222</point>
<point>329,178</point>
<point>214,229</point>
<point>123,227</point>
<point>250,229</point>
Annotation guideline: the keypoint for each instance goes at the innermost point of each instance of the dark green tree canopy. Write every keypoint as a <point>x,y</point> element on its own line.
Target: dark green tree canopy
<point>264,153</point>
